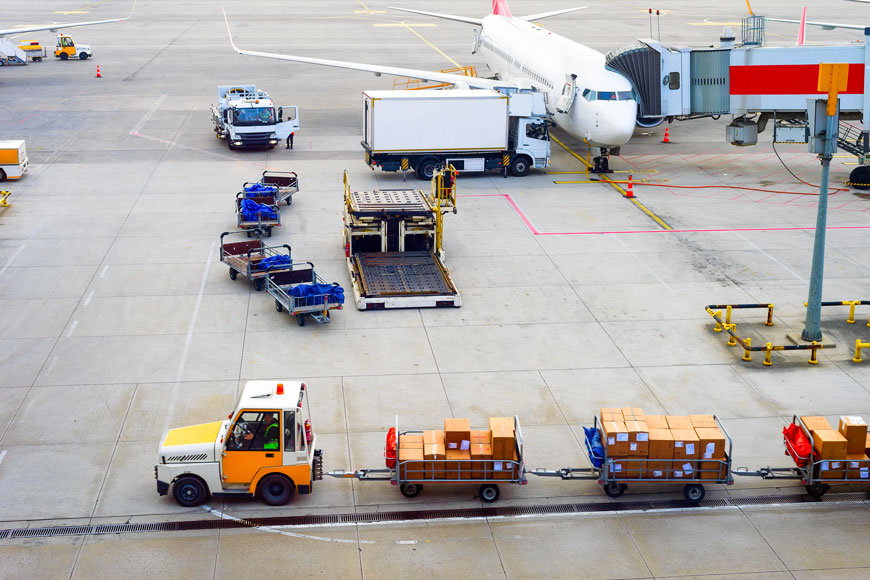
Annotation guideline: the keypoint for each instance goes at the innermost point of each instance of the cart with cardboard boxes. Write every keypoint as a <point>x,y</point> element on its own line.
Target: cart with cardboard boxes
<point>626,446</point>
<point>457,455</point>
<point>822,455</point>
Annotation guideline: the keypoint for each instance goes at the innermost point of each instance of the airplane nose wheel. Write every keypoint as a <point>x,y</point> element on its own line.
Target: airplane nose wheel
<point>600,163</point>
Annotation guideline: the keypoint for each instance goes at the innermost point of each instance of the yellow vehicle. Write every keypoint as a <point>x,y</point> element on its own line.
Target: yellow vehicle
<point>66,49</point>
<point>32,49</point>
<point>265,448</point>
<point>13,159</point>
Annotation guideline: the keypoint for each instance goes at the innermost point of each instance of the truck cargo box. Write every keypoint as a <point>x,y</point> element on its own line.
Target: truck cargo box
<point>418,121</point>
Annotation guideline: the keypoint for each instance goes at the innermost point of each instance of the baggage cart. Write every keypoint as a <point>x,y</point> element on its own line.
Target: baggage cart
<point>812,474</point>
<point>280,284</point>
<point>284,183</point>
<point>265,221</point>
<point>244,258</point>
<point>637,470</point>
<point>411,476</point>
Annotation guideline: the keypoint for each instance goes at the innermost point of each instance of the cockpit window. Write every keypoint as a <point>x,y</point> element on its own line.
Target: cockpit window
<point>591,95</point>
<point>606,95</point>
<point>626,96</point>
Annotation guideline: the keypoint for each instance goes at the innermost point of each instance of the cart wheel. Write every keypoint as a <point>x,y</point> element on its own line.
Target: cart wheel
<point>817,490</point>
<point>248,233</point>
<point>289,201</point>
<point>411,489</point>
<point>269,231</point>
<point>300,319</point>
<point>278,306</point>
<point>694,492</point>
<point>489,493</point>
<point>233,274</point>
<point>615,489</point>
<point>258,284</point>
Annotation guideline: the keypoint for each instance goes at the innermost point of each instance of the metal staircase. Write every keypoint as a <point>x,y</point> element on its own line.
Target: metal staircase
<point>851,139</point>
<point>11,54</point>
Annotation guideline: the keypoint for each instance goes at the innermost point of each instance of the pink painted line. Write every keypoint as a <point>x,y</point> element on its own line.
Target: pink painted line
<point>534,231</point>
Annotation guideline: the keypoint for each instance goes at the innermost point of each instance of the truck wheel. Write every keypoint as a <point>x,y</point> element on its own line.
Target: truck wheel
<point>276,489</point>
<point>64,56</point>
<point>411,489</point>
<point>817,490</point>
<point>614,489</point>
<point>426,168</point>
<point>83,56</point>
<point>489,493</point>
<point>233,274</point>
<point>2,175</point>
<point>189,491</point>
<point>520,166</point>
<point>694,492</point>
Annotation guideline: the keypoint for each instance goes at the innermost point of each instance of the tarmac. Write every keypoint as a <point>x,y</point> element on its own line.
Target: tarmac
<point>118,321</point>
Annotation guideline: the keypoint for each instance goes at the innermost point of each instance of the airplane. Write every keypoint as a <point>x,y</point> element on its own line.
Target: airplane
<point>58,25</point>
<point>583,98</point>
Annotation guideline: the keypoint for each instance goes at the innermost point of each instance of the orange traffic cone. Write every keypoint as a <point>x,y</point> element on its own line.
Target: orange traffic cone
<point>99,76</point>
<point>667,138</point>
<point>629,192</point>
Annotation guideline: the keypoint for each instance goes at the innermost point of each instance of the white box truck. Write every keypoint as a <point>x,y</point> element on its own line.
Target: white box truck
<point>13,159</point>
<point>473,130</point>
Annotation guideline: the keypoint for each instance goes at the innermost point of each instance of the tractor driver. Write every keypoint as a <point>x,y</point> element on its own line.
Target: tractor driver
<point>267,434</point>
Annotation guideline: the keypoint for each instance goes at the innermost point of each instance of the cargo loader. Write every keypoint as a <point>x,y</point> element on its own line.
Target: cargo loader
<point>393,245</point>
<point>472,130</point>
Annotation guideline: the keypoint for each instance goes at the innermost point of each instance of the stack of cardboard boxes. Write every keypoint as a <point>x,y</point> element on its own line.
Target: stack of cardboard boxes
<point>841,453</point>
<point>662,446</point>
<point>448,454</point>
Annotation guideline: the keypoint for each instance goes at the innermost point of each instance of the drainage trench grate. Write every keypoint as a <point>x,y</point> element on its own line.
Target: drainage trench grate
<point>412,515</point>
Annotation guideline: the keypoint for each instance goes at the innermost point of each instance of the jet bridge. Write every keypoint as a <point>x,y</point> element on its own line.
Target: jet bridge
<point>751,82</point>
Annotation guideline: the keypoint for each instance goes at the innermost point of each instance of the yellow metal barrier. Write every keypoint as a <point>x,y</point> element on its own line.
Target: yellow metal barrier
<point>3,196</point>
<point>858,346</point>
<point>851,304</point>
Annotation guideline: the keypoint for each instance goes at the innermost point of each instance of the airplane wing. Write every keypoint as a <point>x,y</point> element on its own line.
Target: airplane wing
<point>59,25</point>
<point>824,25</point>
<point>475,21</point>
<point>459,80</point>
<point>541,15</point>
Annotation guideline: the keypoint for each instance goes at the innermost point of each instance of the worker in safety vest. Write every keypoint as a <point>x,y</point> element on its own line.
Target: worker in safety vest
<point>267,434</point>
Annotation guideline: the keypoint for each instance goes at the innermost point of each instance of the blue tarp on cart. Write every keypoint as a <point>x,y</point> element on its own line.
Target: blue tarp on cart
<point>253,211</point>
<point>315,293</point>
<point>594,446</point>
<point>272,262</point>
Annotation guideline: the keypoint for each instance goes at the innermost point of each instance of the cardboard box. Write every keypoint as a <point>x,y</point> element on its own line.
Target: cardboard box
<point>830,469</point>
<point>454,464</point>
<point>867,445</point>
<point>410,442</point>
<point>482,456</point>
<point>661,446</point>
<point>615,438</point>
<point>506,469</point>
<point>829,444</point>
<point>686,444</point>
<point>684,469</point>
<point>503,443</point>
<point>815,423</point>
<point>711,442</point>
<point>632,414</point>
<point>638,438</point>
<point>481,437</point>
<point>656,422</point>
<point>434,455</point>
<point>702,421</point>
<point>434,451</point>
<point>626,468</point>
<point>433,437</point>
<point>457,434</point>
<point>659,470</point>
<point>857,466</point>
<point>854,429</point>
<point>716,470</point>
<point>610,414</point>
<point>411,464</point>
<point>678,422</point>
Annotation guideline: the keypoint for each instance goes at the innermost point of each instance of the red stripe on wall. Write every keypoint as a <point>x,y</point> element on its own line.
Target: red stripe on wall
<point>788,79</point>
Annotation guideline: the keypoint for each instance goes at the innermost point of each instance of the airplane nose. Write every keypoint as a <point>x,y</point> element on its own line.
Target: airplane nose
<point>616,124</point>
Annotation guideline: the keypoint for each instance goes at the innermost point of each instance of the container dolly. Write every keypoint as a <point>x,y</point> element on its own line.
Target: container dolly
<point>279,284</point>
<point>615,484</point>
<point>284,183</point>
<point>410,479</point>
<point>809,473</point>
<point>243,258</point>
<point>263,224</point>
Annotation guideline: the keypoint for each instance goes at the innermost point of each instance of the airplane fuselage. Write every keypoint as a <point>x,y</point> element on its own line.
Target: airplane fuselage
<point>603,109</point>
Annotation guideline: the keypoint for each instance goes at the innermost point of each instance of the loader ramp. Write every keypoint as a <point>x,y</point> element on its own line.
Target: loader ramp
<point>401,280</point>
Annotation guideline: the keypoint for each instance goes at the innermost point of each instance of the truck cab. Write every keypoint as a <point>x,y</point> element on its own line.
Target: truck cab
<point>265,448</point>
<point>247,117</point>
<point>66,48</point>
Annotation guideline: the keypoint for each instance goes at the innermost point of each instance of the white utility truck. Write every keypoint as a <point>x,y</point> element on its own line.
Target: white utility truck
<point>264,448</point>
<point>247,117</point>
<point>472,130</point>
<point>13,159</point>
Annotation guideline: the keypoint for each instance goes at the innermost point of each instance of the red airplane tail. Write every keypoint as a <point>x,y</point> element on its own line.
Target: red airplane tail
<point>500,8</point>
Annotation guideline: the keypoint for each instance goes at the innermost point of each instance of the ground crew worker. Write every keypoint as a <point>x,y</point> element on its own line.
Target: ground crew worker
<point>267,434</point>
<point>290,140</point>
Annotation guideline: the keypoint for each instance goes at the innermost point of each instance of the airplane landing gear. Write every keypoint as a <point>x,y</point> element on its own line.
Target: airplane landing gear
<point>600,163</point>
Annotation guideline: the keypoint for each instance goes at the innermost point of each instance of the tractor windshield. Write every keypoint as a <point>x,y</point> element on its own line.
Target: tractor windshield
<point>254,116</point>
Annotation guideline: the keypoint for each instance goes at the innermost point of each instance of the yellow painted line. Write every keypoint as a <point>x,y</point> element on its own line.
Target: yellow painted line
<point>368,10</point>
<point>438,50</point>
<point>604,179</point>
<point>401,24</point>
<point>68,12</point>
